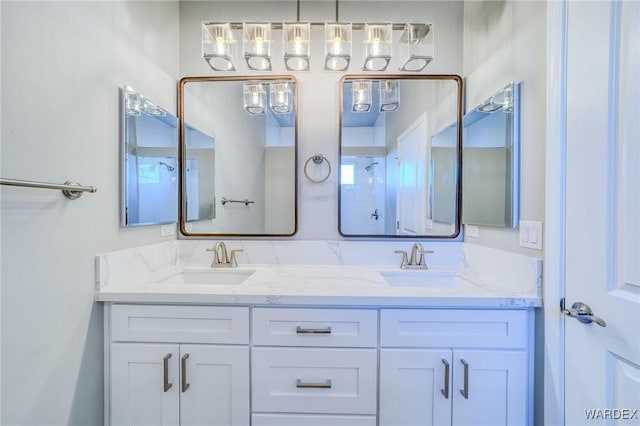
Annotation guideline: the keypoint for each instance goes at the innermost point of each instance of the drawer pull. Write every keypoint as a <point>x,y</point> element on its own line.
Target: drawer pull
<point>302,330</point>
<point>312,385</point>
<point>165,372</point>
<point>445,391</point>
<point>183,382</point>
<point>465,390</point>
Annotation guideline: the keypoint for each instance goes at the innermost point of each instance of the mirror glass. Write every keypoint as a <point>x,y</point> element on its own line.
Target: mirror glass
<point>149,169</point>
<point>239,169</point>
<point>398,175</point>
<point>491,160</point>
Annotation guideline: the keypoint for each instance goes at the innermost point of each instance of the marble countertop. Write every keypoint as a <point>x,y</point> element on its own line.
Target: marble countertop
<point>335,285</point>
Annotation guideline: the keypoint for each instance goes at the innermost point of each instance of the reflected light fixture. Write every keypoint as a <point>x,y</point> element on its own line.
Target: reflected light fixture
<point>218,45</point>
<point>389,95</point>
<point>361,93</point>
<point>377,46</point>
<point>416,47</point>
<point>296,41</point>
<point>131,102</point>
<point>255,98</point>
<point>337,45</point>
<point>256,44</point>
<point>280,97</point>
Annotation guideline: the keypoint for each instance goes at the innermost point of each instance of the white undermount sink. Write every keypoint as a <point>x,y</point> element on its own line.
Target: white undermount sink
<point>210,276</point>
<point>419,278</point>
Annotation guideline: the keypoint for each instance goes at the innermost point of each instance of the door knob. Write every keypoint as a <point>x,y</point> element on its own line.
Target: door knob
<point>583,313</point>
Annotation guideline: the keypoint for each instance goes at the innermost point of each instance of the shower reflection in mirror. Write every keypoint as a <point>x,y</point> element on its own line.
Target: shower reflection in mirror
<point>397,179</point>
<point>148,162</point>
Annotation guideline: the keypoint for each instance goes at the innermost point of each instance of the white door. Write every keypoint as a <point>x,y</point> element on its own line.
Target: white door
<point>415,387</point>
<point>489,388</point>
<point>411,205</point>
<point>144,385</point>
<point>214,385</point>
<point>602,364</point>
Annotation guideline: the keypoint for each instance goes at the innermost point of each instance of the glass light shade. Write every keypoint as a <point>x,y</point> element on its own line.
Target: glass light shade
<point>389,95</point>
<point>416,47</point>
<point>361,93</point>
<point>377,46</point>
<point>150,108</point>
<point>257,45</point>
<point>337,45</point>
<point>132,104</point>
<point>218,46</point>
<point>255,98</point>
<point>280,97</point>
<point>296,40</point>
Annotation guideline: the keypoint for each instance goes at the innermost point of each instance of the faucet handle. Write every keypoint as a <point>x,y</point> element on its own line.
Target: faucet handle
<point>403,260</point>
<point>422,261</point>
<point>232,257</point>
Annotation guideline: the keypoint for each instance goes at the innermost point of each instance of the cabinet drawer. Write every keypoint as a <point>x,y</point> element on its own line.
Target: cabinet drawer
<point>180,324</point>
<point>315,327</point>
<point>453,328</point>
<point>311,420</point>
<point>305,380</point>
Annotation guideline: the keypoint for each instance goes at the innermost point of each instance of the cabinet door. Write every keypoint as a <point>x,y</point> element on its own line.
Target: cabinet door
<point>415,387</point>
<point>495,392</point>
<point>214,385</point>
<point>144,384</point>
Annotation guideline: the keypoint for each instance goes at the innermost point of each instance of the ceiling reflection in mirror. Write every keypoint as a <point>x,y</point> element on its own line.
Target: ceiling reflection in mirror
<point>398,176</point>
<point>241,174</point>
<point>148,161</point>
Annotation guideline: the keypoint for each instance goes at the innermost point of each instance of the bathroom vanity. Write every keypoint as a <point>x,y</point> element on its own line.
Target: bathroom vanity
<point>339,344</point>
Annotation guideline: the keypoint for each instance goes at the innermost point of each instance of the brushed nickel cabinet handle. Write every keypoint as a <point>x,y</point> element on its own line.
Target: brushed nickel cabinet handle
<point>307,385</point>
<point>465,390</point>
<point>165,372</point>
<point>183,367</point>
<point>445,391</point>
<point>302,330</point>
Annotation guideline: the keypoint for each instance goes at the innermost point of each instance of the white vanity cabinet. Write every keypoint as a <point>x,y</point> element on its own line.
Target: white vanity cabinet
<point>178,365</point>
<point>314,367</point>
<point>455,367</point>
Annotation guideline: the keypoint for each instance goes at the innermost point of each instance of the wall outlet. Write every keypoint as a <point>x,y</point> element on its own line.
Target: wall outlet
<point>167,230</point>
<point>531,234</point>
<point>429,224</point>
<point>471,231</point>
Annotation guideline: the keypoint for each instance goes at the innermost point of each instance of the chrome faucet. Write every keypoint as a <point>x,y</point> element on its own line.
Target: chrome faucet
<point>416,259</point>
<point>220,257</point>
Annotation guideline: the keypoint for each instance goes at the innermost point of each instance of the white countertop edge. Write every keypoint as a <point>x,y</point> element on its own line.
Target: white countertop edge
<point>513,302</point>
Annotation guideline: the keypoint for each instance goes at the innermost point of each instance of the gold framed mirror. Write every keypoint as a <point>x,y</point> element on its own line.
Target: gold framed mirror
<point>243,175</point>
<point>398,177</point>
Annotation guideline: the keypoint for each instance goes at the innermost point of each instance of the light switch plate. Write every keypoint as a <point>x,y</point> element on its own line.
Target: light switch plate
<point>471,231</point>
<point>531,234</point>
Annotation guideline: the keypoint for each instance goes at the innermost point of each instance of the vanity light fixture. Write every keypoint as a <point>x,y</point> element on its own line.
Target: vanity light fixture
<point>280,97</point>
<point>218,46</point>
<point>416,47</point>
<point>501,100</point>
<point>361,92</point>
<point>131,102</point>
<point>296,41</point>
<point>337,45</point>
<point>257,45</point>
<point>389,95</point>
<point>255,98</point>
<point>136,104</point>
<point>377,46</point>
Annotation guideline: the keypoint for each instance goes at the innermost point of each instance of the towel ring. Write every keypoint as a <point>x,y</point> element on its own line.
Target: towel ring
<point>317,159</point>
